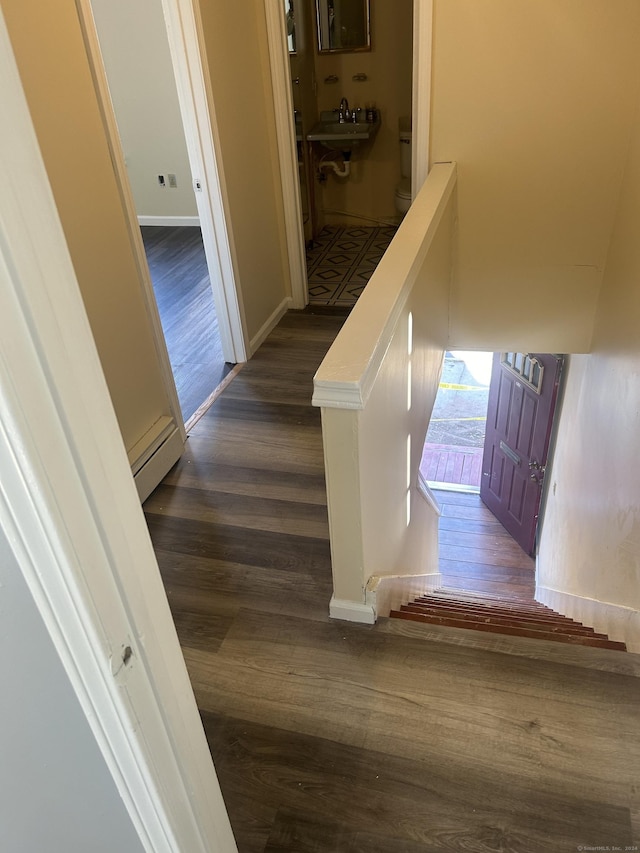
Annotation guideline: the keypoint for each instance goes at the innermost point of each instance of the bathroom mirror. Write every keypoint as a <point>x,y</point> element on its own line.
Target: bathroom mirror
<point>343,25</point>
<point>291,25</point>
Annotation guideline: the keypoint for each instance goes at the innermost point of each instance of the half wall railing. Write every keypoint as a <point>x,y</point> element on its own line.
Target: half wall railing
<point>376,388</point>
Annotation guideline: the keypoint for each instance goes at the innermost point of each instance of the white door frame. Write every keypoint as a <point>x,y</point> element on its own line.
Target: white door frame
<point>72,517</point>
<point>287,150</point>
<point>186,45</point>
<point>283,107</point>
<point>421,96</point>
<point>92,46</point>
<point>188,55</point>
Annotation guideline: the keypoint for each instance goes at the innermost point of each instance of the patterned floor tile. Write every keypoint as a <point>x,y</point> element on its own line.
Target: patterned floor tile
<point>321,294</point>
<point>349,293</point>
<point>341,261</point>
<point>361,275</point>
<point>349,244</point>
<point>326,275</point>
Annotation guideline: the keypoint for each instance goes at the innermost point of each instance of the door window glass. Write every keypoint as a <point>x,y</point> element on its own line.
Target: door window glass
<point>526,367</point>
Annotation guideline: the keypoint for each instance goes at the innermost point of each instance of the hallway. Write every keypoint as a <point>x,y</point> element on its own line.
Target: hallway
<point>332,736</point>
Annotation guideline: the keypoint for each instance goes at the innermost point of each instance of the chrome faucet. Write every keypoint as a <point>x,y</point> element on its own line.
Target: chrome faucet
<point>344,113</point>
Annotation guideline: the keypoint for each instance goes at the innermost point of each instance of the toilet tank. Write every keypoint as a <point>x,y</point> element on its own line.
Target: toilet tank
<point>404,127</point>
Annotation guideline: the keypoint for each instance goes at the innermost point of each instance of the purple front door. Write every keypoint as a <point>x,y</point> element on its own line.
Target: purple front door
<point>522,398</point>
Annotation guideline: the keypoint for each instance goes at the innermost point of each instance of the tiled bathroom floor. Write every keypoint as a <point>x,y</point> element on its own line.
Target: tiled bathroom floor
<point>342,260</point>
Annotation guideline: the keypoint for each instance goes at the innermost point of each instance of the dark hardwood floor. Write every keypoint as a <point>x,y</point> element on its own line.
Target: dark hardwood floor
<point>181,284</point>
<point>393,738</point>
<point>477,553</point>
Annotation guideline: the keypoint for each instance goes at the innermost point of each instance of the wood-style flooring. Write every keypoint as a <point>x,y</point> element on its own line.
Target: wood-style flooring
<point>181,285</point>
<point>477,553</point>
<point>393,738</point>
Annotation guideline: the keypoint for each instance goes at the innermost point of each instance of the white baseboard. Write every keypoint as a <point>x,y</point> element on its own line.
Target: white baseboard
<point>388,592</point>
<point>351,611</point>
<point>269,325</point>
<point>620,623</point>
<point>169,220</point>
<point>159,463</point>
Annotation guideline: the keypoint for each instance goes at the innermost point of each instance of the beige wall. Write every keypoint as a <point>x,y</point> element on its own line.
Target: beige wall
<point>534,101</point>
<point>590,544</point>
<point>134,45</point>
<point>55,73</point>
<point>237,54</point>
<point>369,190</point>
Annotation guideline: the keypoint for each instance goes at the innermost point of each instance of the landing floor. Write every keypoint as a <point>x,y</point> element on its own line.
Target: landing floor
<point>477,553</point>
<point>331,736</point>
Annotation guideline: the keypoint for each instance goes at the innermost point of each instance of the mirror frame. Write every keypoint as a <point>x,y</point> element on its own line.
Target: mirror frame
<point>366,7</point>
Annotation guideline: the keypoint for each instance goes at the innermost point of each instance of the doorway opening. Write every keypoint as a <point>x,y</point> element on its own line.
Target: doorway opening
<point>180,278</point>
<point>485,456</point>
<point>152,134</point>
<point>452,455</point>
<point>518,412</point>
<point>476,554</point>
<point>346,217</point>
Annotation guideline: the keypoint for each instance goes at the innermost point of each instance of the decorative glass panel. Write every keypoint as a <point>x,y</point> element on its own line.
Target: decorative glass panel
<point>526,367</point>
<point>535,376</point>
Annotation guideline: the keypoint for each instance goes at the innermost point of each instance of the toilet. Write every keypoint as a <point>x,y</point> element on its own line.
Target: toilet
<point>403,189</point>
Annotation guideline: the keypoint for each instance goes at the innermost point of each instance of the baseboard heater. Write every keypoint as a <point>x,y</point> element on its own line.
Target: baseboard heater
<point>154,455</point>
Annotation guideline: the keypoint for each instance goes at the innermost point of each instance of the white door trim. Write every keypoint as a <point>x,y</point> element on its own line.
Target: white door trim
<point>71,513</point>
<point>87,23</point>
<point>421,99</point>
<point>188,55</point>
<point>287,150</point>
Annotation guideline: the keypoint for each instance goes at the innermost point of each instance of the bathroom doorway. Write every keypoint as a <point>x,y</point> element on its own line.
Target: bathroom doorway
<point>362,204</point>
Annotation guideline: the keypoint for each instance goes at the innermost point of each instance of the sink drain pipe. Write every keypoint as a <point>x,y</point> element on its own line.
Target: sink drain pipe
<point>334,165</point>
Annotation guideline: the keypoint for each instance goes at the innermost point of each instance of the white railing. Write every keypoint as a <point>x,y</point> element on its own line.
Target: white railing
<point>376,388</point>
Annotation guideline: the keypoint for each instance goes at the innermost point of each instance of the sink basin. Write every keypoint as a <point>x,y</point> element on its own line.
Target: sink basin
<point>333,134</point>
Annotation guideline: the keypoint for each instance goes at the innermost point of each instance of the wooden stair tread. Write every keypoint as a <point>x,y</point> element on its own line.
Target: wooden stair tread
<point>574,639</point>
<point>539,613</point>
<point>559,625</point>
<point>494,614</point>
<point>468,594</point>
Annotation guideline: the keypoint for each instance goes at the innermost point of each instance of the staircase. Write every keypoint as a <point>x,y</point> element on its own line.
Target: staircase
<point>485,612</point>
